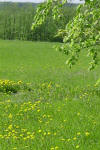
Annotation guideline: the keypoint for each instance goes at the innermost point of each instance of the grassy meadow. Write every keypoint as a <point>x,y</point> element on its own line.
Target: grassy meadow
<point>44,105</point>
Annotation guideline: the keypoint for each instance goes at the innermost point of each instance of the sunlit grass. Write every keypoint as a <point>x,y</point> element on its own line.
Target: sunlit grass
<point>61,108</point>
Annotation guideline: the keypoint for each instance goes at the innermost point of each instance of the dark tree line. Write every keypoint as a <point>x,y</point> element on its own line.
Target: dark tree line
<point>16,22</point>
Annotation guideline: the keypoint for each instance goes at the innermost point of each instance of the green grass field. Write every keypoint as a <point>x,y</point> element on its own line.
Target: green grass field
<point>53,107</point>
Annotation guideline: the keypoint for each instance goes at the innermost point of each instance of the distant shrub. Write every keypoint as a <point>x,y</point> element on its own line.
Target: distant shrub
<point>8,86</point>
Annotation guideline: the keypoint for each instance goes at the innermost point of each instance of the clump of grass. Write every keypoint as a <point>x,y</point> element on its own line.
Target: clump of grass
<point>8,86</point>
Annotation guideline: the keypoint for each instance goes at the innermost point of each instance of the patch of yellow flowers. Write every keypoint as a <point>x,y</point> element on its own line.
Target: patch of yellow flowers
<point>8,86</point>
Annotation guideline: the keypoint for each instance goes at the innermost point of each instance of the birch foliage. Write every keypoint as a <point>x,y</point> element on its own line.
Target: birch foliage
<point>83,32</point>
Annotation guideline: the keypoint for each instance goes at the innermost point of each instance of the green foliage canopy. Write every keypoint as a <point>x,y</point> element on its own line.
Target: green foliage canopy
<point>81,32</point>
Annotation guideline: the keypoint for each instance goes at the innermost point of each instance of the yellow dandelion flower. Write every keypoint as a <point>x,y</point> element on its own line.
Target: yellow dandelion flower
<point>38,102</point>
<point>40,121</point>
<point>8,100</point>
<point>65,120</point>
<point>56,147</point>
<point>17,126</point>
<point>23,130</point>
<point>10,116</point>
<point>68,140</point>
<point>87,133</point>
<point>38,110</point>
<point>32,137</point>
<point>78,114</point>
<point>28,137</point>
<point>55,133</point>
<point>40,131</point>
<point>49,133</point>
<point>78,133</point>
<point>52,148</point>
<point>19,82</point>
<point>1,136</point>
<point>62,139</point>
<point>44,133</point>
<point>15,137</point>
<point>13,131</point>
<point>25,110</point>
<point>44,116</point>
<point>21,135</point>
<point>49,85</point>
<point>74,138</point>
<point>77,146</point>
<point>28,133</point>
<point>10,127</point>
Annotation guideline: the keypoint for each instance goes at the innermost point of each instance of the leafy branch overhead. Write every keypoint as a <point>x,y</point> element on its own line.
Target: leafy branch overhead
<point>51,6</point>
<point>81,32</point>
